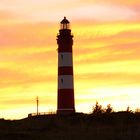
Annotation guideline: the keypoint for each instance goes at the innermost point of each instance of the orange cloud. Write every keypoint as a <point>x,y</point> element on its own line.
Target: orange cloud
<point>4,15</point>
<point>119,2</point>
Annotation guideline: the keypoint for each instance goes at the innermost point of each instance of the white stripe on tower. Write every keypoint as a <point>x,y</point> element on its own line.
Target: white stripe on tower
<point>65,82</point>
<point>65,59</point>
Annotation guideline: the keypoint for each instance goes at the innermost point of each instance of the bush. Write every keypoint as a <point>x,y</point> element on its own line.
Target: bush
<point>97,109</point>
<point>109,109</point>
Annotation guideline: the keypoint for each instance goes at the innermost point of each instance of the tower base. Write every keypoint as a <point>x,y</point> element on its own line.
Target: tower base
<point>65,111</point>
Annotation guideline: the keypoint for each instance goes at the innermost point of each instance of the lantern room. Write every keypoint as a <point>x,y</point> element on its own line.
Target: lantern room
<point>65,24</point>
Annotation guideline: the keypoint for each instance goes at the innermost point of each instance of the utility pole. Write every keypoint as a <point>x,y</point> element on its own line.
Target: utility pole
<point>37,101</point>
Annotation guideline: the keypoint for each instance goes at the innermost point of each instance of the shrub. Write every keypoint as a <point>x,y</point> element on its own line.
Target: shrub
<point>97,109</point>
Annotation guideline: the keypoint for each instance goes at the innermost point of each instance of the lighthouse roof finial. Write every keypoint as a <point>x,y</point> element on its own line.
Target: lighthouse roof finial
<point>65,21</point>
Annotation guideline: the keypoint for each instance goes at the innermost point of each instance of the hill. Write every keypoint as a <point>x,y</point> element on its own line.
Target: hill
<point>112,126</point>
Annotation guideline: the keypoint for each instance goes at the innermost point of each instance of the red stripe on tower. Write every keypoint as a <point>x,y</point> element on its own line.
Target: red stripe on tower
<point>65,99</point>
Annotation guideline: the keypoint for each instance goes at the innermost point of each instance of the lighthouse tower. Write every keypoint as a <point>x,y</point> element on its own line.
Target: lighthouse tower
<point>65,99</point>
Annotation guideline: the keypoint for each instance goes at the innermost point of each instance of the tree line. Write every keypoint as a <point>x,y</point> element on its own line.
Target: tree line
<point>98,109</point>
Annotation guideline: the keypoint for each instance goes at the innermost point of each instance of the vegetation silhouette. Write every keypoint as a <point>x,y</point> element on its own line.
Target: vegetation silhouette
<point>98,109</point>
<point>101,124</point>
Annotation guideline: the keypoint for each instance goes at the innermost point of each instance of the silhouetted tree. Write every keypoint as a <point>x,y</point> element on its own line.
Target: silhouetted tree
<point>97,109</point>
<point>109,109</point>
<point>128,110</point>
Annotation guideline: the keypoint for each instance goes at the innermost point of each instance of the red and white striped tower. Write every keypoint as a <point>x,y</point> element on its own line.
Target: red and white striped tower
<point>65,99</point>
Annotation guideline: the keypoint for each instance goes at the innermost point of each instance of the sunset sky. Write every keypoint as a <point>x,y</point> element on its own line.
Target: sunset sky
<point>106,54</point>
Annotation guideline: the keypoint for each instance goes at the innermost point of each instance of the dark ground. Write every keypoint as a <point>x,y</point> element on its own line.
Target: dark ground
<point>113,126</point>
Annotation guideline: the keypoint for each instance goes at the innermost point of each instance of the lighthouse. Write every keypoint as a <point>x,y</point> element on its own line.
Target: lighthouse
<point>65,91</point>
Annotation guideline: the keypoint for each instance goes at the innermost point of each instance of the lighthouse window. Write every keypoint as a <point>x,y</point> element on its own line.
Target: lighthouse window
<point>61,80</point>
<point>61,56</point>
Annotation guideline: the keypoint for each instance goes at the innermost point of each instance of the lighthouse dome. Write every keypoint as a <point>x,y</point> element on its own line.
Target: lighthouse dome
<point>65,24</point>
<point>65,21</point>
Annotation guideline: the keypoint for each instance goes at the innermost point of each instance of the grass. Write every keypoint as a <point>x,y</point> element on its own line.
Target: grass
<point>113,126</point>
